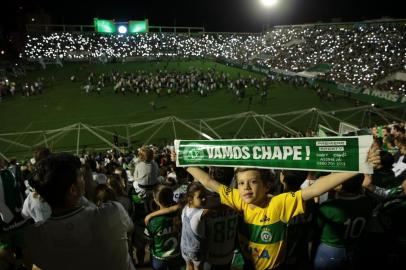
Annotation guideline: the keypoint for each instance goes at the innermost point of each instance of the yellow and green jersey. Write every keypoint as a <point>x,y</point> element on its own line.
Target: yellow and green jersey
<point>263,234</point>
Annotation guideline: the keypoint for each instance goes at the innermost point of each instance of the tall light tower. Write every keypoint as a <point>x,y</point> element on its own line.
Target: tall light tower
<point>268,4</point>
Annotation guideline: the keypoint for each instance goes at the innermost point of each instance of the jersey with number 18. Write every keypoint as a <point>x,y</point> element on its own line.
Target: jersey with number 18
<point>221,226</point>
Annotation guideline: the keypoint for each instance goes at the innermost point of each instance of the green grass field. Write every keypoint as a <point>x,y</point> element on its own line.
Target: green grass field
<point>64,103</point>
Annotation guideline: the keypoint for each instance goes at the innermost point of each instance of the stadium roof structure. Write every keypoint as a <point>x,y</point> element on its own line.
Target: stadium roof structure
<point>79,136</point>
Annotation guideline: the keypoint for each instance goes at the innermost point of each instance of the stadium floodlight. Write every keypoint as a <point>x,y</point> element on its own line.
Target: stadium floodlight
<point>269,3</point>
<point>122,29</point>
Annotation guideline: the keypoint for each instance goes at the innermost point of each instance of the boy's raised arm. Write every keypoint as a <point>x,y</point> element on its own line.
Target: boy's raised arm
<point>201,176</point>
<point>330,181</point>
<point>204,178</point>
<point>324,184</point>
<point>161,212</point>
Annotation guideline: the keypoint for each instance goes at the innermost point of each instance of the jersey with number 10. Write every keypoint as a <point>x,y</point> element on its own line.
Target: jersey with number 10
<point>342,220</point>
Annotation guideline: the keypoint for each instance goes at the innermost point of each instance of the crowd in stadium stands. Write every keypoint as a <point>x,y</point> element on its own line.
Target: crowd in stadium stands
<point>84,46</point>
<point>393,86</point>
<point>101,211</point>
<point>359,55</point>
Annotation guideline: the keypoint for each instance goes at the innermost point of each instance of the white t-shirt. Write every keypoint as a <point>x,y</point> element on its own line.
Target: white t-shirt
<point>36,208</point>
<point>196,223</point>
<point>146,174</point>
<point>179,193</point>
<point>87,238</point>
<point>39,210</point>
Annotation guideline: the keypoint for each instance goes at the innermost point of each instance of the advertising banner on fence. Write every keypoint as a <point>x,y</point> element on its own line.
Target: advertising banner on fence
<point>336,154</point>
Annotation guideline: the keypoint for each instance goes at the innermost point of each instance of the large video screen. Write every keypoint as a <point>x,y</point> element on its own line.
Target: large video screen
<point>110,26</point>
<point>104,26</point>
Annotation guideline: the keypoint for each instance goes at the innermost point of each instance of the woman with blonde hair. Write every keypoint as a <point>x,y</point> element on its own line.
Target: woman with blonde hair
<point>146,170</point>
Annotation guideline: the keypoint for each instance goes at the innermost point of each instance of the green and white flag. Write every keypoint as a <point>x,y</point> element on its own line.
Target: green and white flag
<point>335,154</point>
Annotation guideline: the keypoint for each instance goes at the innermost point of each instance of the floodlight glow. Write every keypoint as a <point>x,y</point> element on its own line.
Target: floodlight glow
<point>122,29</point>
<point>268,3</point>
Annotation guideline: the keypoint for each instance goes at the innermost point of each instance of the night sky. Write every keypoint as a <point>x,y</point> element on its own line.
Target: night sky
<point>214,15</point>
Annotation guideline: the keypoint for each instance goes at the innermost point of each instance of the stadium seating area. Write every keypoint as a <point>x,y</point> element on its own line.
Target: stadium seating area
<point>136,207</point>
<point>360,55</point>
<point>73,46</point>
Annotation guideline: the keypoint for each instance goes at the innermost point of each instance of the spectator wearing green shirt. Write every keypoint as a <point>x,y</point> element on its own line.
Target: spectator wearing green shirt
<point>342,222</point>
<point>164,233</point>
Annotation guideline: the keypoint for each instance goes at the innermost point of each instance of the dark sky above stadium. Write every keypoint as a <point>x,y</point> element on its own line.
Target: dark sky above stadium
<point>214,15</point>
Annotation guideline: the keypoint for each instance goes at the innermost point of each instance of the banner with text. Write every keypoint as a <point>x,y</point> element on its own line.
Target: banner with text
<point>338,154</point>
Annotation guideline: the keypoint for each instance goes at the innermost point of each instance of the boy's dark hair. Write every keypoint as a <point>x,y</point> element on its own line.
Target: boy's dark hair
<point>41,153</point>
<point>53,176</point>
<point>266,177</point>
<point>390,139</point>
<point>354,184</point>
<point>170,182</point>
<point>164,195</point>
<point>294,179</point>
<point>387,160</point>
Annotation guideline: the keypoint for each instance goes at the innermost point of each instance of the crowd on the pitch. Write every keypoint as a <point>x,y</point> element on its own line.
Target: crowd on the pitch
<point>160,205</point>
<point>359,55</point>
<point>9,87</point>
<point>166,82</point>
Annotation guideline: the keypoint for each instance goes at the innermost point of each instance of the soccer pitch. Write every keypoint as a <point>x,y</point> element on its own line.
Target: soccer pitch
<point>65,103</point>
